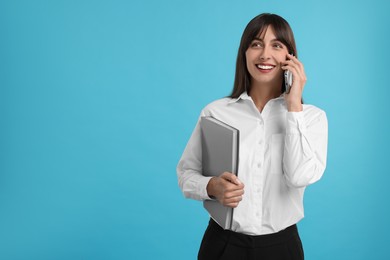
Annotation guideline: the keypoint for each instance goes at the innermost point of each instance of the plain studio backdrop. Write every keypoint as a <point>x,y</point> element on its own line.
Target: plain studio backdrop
<point>98,100</point>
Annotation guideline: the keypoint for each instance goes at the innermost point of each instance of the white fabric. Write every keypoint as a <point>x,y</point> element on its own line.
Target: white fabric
<point>280,154</point>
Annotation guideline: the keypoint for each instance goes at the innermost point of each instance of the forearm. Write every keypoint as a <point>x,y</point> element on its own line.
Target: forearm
<point>189,169</point>
<point>305,150</point>
<point>193,184</point>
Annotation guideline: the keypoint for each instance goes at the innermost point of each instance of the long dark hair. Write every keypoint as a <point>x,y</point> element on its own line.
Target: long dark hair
<point>242,79</point>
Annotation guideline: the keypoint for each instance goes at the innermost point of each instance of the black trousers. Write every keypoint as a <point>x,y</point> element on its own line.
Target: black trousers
<point>220,244</point>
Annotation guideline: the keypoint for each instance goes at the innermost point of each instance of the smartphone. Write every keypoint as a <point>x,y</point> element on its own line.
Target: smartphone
<point>288,79</point>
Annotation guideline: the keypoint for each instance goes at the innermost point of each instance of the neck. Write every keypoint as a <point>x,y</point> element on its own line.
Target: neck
<point>261,94</point>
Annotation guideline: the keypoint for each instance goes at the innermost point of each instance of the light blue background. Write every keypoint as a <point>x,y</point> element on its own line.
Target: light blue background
<point>98,99</point>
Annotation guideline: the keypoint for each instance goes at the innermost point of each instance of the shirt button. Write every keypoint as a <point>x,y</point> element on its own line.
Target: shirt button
<point>259,165</point>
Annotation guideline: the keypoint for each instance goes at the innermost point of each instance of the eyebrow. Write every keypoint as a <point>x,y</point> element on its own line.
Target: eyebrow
<point>273,40</point>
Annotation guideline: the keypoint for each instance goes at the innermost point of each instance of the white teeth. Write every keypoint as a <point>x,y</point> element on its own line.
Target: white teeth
<point>264,67</point>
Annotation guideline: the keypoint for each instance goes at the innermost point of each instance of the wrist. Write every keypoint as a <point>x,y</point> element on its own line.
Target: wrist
<point>295,107</point>
<point>210,188</point>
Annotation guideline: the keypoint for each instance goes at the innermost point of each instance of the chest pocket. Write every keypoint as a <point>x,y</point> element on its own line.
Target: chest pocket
<point>277,148</point>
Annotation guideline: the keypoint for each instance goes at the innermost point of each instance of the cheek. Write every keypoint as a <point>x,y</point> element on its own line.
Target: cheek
<point>248,60</point>
<point>247,57</point>
<point>251,55</point>
<point>282,57</point>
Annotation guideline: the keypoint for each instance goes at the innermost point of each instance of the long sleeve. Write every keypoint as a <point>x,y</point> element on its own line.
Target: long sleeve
<point>280,153</point>
<point>305,147</point>
<point>189,169</point>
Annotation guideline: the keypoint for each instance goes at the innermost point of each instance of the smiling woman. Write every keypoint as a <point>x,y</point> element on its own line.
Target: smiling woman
<point>98,99</point>
<point>263,71</point>
<point>253,39</point>
<point>283,149</point>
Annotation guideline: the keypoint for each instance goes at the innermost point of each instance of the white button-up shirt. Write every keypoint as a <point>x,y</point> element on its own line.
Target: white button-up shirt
<point>280,153</point>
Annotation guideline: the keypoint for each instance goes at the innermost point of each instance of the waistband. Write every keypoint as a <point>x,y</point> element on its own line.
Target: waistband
<point>243,240</point>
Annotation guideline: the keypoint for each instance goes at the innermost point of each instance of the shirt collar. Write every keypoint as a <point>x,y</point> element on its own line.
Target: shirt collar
<point>245,96</point>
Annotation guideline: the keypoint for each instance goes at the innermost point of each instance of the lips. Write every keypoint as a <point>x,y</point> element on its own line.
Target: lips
<point>266,67</point>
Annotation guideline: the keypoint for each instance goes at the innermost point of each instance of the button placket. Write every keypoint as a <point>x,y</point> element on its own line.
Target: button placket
<point>258,169</point>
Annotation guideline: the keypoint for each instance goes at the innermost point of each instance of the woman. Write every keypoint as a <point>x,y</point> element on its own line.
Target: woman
<point>283,148</point>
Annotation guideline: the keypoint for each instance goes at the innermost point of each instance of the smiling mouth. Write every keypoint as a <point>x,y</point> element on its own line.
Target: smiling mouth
<point>265,67</point>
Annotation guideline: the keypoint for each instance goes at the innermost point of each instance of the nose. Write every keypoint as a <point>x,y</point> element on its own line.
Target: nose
<point>264,54</point>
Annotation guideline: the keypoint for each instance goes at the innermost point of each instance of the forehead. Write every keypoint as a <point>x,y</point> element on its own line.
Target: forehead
<point>266,32</point>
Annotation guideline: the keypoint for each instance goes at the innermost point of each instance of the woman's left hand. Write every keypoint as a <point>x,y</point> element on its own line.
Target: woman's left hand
<point>294,98</point>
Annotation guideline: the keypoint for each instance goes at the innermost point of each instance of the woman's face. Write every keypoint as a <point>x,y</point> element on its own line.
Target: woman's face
<point>264,59</point>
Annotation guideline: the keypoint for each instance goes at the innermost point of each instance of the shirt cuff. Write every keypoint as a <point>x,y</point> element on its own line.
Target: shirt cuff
<point>295,123</point>
<point>203,188</point>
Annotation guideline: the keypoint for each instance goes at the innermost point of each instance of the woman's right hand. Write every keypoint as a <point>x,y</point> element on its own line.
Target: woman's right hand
<point>226,188</point>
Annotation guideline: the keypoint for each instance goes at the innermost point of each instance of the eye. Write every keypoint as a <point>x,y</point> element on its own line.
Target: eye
<point>256,44</point>
<point>278,45</point>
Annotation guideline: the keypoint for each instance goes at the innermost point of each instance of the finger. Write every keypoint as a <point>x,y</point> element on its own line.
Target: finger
<point>234,199</point>
<point>231,178</point>
<point>296,71</point>
<point>232,205</point>
<point>231,201</point>
<point>233,194</point>
<point>295,61</point>
<point>292,64</point>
